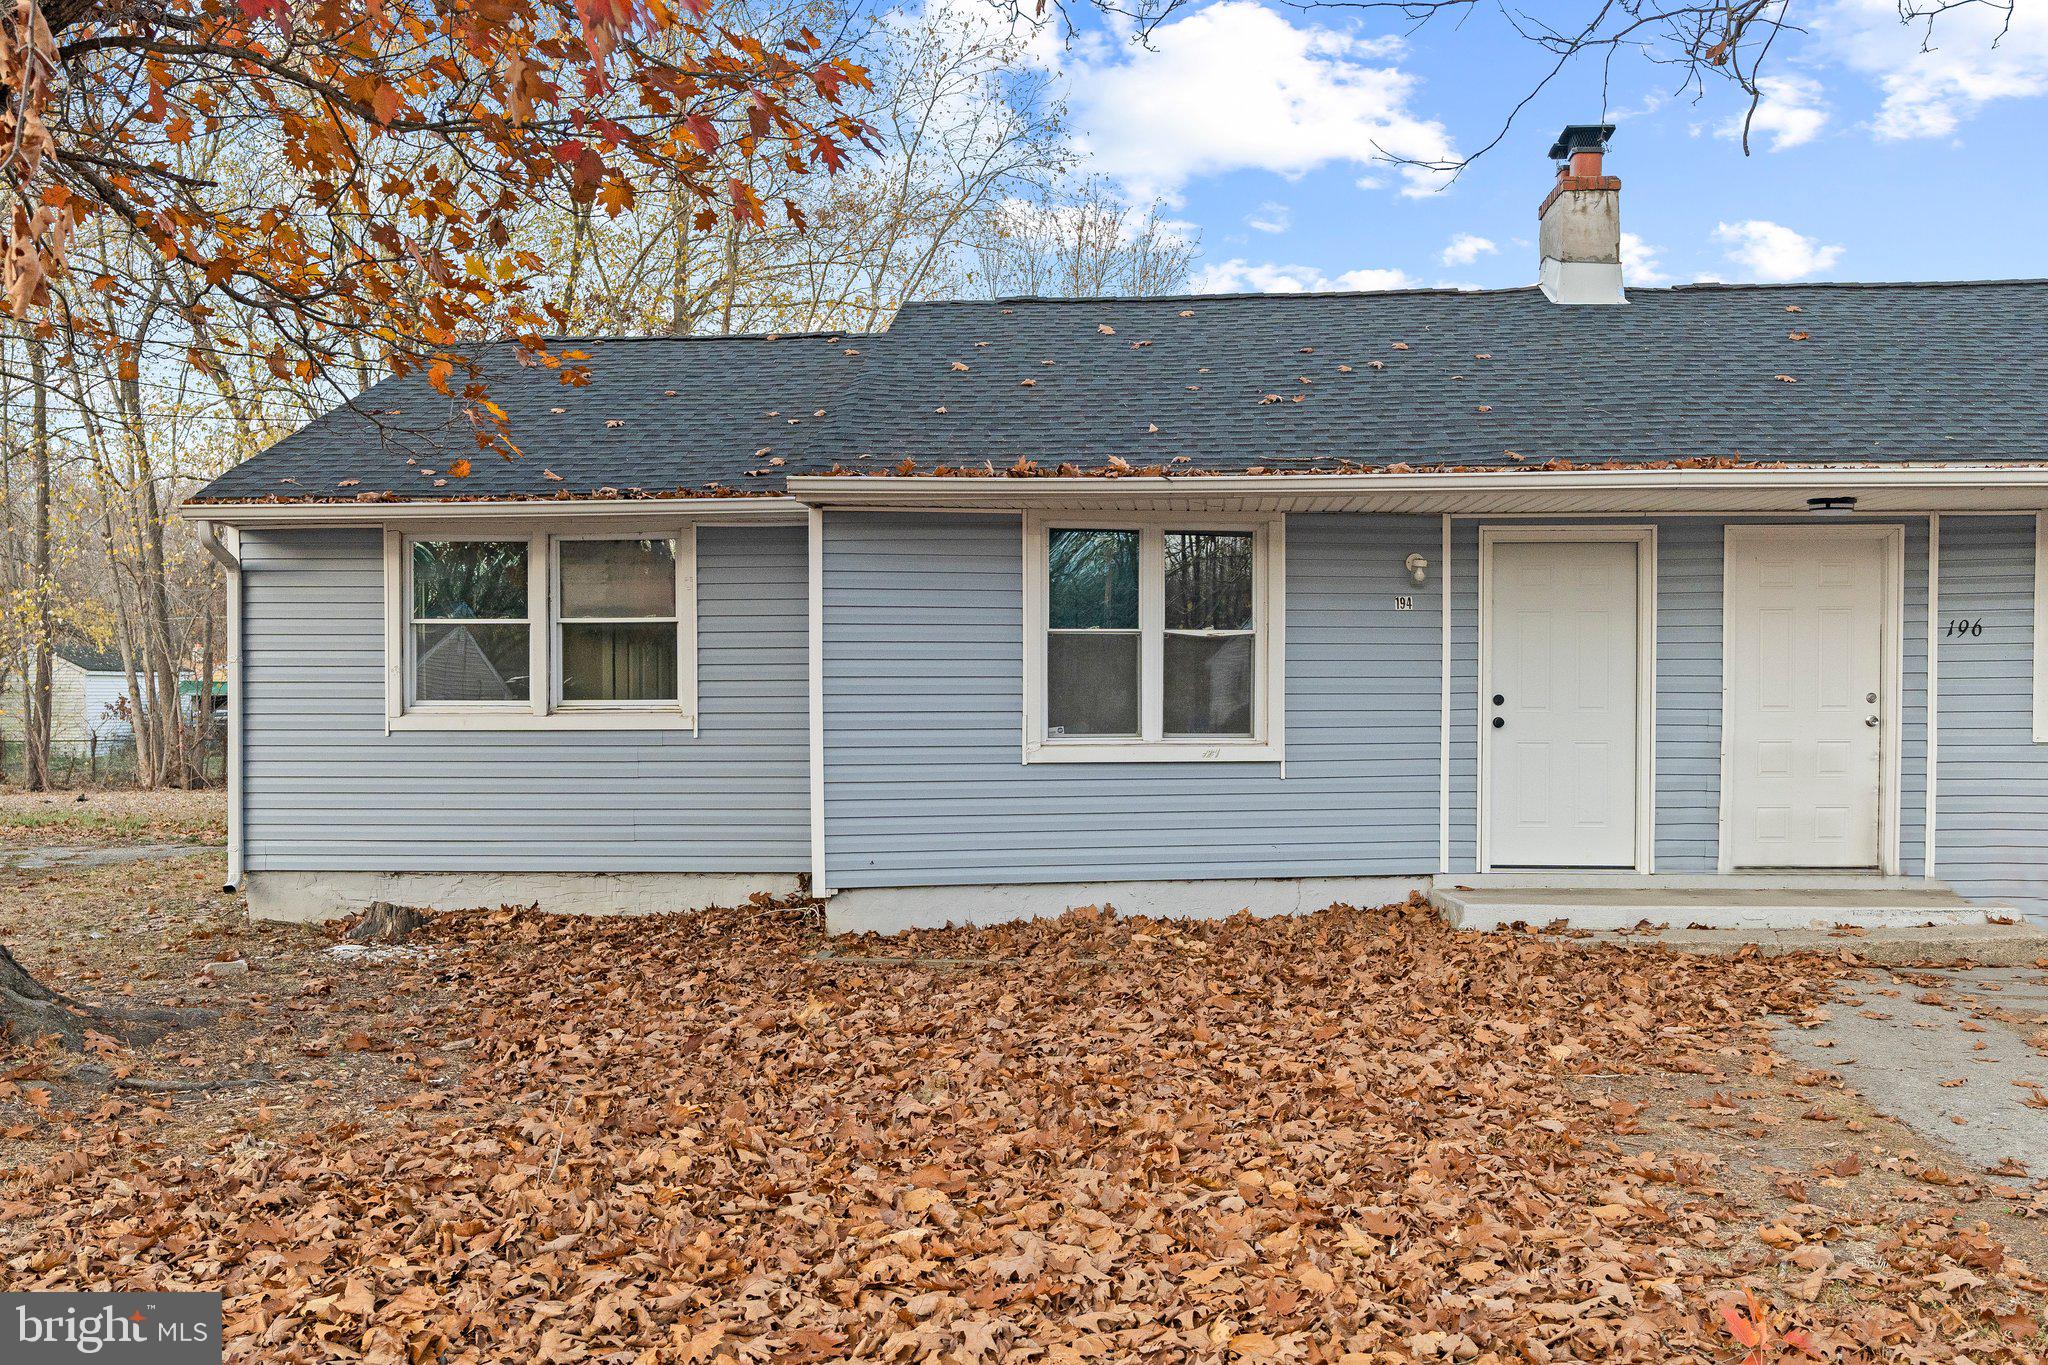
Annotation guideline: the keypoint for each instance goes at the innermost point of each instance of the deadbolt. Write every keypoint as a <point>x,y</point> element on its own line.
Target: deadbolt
<point>1870,696</point>
<point>1499,700</point>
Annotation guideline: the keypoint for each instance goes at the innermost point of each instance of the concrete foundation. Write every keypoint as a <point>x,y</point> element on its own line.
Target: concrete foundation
<point>890,910</point>
<point>310,897</point>
<point>1758,902</point>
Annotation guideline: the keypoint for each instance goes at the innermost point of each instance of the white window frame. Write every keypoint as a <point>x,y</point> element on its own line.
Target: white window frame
<point>1267,742</point>
<point>686,637</point>
<point>542,710</point>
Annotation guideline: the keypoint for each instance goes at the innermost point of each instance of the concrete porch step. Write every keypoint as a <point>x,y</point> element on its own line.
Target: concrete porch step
<point>1609,902</point>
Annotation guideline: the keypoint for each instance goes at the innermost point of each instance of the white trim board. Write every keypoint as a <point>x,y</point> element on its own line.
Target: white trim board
<point>1645,539</point>
<point>814,616</point>
<point>1892,693</point>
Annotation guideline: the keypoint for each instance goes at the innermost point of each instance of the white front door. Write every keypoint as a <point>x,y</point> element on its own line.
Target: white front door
<point>1558,703</point>
<point>1806,642</point>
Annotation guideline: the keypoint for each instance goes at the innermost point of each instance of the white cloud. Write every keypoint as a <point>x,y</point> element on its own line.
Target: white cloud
<point>1466,248</point>
<point>1270,217</point>
<point>1793,111</point>
<point>1639,264</point>
<point>1928,93</point>
<point>1771,251</point>
<point>1239,276</point>
<point>1237,86</point>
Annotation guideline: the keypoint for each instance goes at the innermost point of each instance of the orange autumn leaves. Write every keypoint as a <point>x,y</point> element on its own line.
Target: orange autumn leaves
<point>395,150</point>
<point>1350,1138</point>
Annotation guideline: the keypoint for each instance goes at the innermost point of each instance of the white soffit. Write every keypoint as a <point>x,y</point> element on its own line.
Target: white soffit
<point>1877,489</point>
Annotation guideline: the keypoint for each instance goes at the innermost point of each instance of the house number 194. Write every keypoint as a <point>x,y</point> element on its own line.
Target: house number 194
<point>1964,625</point>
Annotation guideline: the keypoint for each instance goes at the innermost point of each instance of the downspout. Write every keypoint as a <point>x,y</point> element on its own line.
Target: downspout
<point>230,560</point>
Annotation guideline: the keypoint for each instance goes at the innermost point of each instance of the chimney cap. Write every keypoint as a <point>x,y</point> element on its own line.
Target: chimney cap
<point>1581,137</point>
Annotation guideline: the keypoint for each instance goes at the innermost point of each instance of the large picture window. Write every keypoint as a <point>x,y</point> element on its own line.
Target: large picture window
<point>528,631</point>
<point>1152,639</point>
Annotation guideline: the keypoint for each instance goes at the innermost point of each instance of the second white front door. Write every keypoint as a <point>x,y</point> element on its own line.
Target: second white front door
<point>1559,711</point>
<point>1807,642</point>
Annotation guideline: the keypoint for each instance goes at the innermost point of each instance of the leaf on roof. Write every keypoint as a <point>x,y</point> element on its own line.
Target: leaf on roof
<point>551,475</point>
<point>1343,369</point>
<point>1513,454</point>
<point>1486,407</point>
<point>615,421</point>
<point>1140,345</point>
<point>959,367</point>
<point>979,344</point>
<point>1194,388</point>
<point>1307,350</point>
<point>440,483</point>
<point>940,408</point>
<point>348,483</point>
<point>1119,464</point>
<point>557,409</point>
<point>1303,379</point>
<point>1027,383</point>
<point>1794,308</point>
<point>1797,336</point>
<point>1105,329</point>
<point>1151,428</point>
<point>1784,379</point>
<point>1269,398</point>
<point>459,469</point>
<point>762,451</point>
<point>1400,345</point>
<point>1377,364</point>
<point>1187,312</point>
<point>776,459</point>
<point>849,351</point>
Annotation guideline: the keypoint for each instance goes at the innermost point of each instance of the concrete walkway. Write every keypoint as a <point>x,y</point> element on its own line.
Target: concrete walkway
<point>1982,943</point>
<point>1947,1052</point>
<point>48,859</point>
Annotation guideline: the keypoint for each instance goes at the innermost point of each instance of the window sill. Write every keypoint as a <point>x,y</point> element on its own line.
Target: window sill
<point>1154,751</point>
<point>527,720</point>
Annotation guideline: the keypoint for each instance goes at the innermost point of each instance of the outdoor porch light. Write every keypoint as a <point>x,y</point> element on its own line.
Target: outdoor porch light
<point>1837,506</point>
<point>1418,568</point>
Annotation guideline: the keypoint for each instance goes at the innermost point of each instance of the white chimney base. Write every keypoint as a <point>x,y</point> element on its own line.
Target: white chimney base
<point>1582,282</point>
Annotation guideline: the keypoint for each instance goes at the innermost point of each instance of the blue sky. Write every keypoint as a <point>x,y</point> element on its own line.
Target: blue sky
<point>1872,160</point>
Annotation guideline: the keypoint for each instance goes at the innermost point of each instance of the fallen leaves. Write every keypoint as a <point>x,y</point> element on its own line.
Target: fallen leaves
<point>1355,1135</point>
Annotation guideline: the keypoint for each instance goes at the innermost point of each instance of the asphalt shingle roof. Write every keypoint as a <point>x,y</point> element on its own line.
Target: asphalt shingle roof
<point>1820,373</point>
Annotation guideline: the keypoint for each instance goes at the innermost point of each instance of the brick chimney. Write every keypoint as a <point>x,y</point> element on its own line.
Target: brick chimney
<point>1580,232</point>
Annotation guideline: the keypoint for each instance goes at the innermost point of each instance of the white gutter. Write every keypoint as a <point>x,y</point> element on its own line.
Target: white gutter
<point>1444,488</point>
<point>229,555</point>
<point>771,509</point>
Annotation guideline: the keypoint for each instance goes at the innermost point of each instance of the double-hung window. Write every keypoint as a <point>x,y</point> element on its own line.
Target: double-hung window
<point>536,631</point>
<point>1152,639</point>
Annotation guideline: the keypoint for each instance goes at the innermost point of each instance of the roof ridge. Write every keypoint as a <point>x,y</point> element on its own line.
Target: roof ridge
<point>1699,286</point>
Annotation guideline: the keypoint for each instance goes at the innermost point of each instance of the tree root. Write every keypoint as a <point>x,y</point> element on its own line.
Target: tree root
<point>99,1075</point>
<point>30,1010</point>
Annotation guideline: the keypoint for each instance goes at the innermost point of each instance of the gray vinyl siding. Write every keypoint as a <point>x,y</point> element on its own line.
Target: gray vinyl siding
<point>1991,817</point>
<point>1690,553</point>
<point>924,784</point>
<point>327,790</point>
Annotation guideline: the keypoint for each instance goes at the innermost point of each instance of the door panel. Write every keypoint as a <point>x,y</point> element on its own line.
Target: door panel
<point>1561,742</point>
<point>1806,647</point>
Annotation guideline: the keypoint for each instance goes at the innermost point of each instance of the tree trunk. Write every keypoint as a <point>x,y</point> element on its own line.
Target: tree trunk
<point>37,731</point>
<point>31,1010</point>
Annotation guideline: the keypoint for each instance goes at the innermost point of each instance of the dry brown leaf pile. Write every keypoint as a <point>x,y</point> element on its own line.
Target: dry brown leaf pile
<point>1355,1136</point>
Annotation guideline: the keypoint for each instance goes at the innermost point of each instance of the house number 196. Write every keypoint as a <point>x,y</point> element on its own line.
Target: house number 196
<point>1964,625</point>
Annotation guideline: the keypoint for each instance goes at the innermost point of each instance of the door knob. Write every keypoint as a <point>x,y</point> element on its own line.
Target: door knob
<point>1870,720</point>
<point>1498,722</point>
